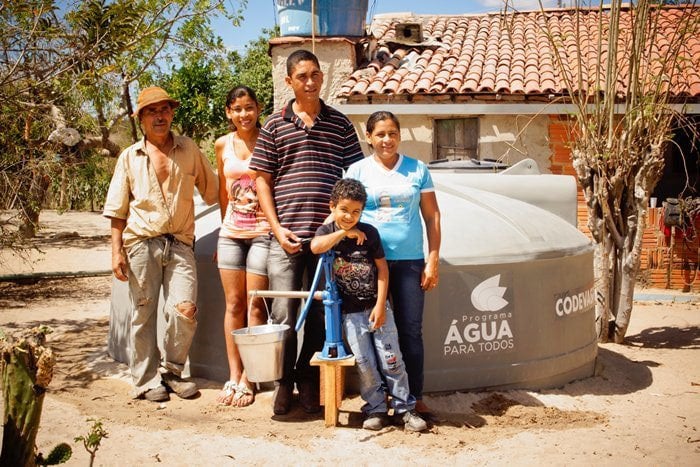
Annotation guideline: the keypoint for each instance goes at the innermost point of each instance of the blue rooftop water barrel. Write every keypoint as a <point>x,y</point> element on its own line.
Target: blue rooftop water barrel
<point>332,18</point>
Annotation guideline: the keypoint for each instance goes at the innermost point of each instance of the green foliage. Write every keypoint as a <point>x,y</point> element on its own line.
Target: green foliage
<point>201,84</point>
<point>105,29</point>
<point>92,440</point>
<point>60,454</point>
<point>254,69</point>
<point>74,65</point>
<point>80,184</point>
<point>192,85</point>
<point>137,38</point>
<point>210,154</point>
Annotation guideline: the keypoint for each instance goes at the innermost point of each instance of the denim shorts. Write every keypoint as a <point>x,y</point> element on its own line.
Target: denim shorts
<point>244,254</point>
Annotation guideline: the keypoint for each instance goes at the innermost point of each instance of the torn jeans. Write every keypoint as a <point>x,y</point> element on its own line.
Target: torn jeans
<point>154,264</point>
<point>379,363</point>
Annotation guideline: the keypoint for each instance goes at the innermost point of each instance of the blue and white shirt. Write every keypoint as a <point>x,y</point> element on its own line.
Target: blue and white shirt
<point>393,203</point>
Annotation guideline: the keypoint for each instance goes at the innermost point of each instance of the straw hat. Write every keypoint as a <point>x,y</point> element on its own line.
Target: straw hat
<point>153,95</point>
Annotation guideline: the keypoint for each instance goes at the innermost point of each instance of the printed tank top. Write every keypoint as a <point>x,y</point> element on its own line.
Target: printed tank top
<point>243,217</point>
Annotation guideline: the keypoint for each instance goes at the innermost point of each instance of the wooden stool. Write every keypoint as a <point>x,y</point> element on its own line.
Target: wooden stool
<point>332,384</point>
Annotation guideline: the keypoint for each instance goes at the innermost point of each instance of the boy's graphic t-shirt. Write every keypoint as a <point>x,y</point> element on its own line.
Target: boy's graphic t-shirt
<point>354,268</point>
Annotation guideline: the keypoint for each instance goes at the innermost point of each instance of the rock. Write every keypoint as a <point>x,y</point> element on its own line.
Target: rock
<point>66,136</point>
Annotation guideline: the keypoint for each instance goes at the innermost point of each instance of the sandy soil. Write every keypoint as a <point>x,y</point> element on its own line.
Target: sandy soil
<point>642,406</point>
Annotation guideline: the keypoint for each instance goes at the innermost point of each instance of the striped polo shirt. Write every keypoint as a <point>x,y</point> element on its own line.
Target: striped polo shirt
<point>305,163</point>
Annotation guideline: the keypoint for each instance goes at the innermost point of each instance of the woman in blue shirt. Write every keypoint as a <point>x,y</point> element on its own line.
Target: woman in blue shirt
<point>400,191</point>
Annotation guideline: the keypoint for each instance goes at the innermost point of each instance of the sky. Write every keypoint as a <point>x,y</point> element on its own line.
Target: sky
<point>261,14</point>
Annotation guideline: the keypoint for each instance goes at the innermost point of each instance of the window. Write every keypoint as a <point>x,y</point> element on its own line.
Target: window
<point>457,138</point>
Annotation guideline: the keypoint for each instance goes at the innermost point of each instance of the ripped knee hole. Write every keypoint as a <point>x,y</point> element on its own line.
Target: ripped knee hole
<point>187,309</point>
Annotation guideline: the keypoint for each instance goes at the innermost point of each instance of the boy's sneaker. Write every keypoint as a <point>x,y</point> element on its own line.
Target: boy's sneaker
<point>413,422</point>
<point>375,421</point>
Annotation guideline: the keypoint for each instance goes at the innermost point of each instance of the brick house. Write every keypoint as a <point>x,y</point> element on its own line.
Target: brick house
<point>486,87</point>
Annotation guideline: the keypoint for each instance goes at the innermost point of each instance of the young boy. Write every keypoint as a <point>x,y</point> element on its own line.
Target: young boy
<point>362,274</point>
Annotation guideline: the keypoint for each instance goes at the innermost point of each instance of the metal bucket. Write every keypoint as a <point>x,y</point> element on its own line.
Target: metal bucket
<point>262,351</point>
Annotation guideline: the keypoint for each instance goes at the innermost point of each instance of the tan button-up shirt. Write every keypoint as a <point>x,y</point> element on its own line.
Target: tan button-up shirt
<point>135,194</point>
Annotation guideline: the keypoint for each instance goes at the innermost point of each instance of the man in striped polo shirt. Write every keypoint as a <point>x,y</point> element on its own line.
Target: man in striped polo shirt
<point>301,152</point>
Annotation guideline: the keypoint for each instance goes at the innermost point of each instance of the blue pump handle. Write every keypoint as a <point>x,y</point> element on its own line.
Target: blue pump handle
<point>314,284</point>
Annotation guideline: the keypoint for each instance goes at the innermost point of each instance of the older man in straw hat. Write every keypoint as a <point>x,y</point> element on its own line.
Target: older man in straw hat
<point>150,204</point>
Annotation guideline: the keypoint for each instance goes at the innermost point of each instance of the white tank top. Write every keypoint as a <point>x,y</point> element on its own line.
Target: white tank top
<point>243,217</point>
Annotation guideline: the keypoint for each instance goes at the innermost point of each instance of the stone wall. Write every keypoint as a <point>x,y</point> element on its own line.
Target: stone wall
<point>335,55</point>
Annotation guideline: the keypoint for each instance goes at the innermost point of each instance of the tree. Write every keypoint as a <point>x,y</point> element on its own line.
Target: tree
<point>202,82</point>
<point>156,33</point>
<point>34,58</point>
<point>194,85</point>
<point>254,69</point>
<point>618,155</point>
<point>77,66</point>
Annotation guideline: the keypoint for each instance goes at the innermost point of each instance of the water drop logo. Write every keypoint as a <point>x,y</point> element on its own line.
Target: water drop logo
<point>488,296</point>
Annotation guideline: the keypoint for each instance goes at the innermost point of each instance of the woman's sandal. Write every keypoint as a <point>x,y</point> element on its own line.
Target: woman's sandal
<point>243,391</point>
<point>229,392</point>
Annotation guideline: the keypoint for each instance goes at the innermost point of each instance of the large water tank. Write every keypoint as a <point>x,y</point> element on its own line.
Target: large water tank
<point>515,305</point>
<point>322,17</point>
<point>523,181</point>
<point>514,308</point>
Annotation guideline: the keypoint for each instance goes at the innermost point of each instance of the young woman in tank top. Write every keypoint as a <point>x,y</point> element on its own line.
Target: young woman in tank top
<point>243,238</point>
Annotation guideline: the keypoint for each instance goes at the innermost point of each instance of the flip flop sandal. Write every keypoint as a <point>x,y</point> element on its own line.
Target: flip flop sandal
<point>230,390</point>
<point>241,391</point>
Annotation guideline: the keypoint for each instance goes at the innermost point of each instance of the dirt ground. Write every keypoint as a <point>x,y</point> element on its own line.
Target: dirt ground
<point>641,407</point>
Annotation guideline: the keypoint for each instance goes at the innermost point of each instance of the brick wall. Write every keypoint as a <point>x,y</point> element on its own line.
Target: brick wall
<point>560,161</point>
<point>660,250</point>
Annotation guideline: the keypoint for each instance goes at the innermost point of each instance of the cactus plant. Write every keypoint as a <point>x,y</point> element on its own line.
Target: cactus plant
<point>26,367</point>
<point>58,455</point>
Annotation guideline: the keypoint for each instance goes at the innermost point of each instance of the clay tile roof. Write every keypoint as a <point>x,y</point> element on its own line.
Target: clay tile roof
<point>510,54</point>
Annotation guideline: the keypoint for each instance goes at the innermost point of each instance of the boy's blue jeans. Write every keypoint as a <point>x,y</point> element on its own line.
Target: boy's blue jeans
<point>379,363</point>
